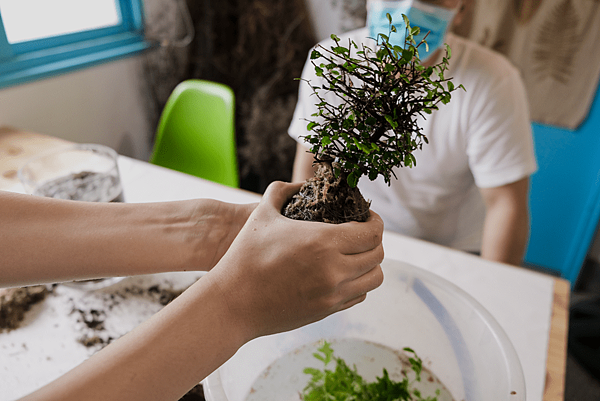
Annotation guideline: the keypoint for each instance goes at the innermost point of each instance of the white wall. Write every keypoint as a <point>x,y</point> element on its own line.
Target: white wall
<point>101,104</point>
<point>97,105</point>
<point>325,18</point>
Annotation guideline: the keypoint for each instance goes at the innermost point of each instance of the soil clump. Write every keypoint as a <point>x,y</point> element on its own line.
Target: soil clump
<point>93,313</point>
<point>327,198</point>
<point>195,394</point>
<point>15,302</point>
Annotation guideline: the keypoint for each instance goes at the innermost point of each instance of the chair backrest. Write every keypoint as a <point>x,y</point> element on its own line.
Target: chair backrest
<point>196,132</point>
<point>565,195</point>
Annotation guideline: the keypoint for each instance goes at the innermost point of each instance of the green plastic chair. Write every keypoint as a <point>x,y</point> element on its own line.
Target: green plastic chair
<point>196,132</point>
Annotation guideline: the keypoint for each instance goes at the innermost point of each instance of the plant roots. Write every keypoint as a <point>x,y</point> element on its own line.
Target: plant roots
<point>327,198</point>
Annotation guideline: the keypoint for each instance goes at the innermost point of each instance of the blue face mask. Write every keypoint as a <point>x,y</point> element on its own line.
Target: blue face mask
<point>429,18</point>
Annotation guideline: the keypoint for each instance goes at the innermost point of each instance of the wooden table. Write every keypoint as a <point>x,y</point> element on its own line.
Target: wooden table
<point>18,146</point>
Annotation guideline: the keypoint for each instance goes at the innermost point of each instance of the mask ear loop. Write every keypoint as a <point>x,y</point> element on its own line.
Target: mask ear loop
<point>189,28</point>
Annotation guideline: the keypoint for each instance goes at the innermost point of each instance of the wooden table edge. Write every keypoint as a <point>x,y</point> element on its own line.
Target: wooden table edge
<point>556,363</point>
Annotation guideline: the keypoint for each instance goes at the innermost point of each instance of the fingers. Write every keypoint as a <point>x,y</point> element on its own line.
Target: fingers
<point>277,193</point>
<point>363,262</point>
<point>353,302</point>
<point>367,282</point>
<point>351,294</point>
<point>298,272</point>
<point>357,289</point>
<point>354,238</point>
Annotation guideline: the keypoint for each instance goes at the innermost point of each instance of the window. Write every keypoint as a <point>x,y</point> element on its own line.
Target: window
<point>40,38</point>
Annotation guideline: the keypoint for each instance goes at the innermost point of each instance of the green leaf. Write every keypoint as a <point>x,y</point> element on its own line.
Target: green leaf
<point>366,149</point>
<point>312,371</point>
<point>408,54</point>
<point>311,125</point>
<point>389,17</point>
<point>315,54</point>
<point>352,179</point>
<point>391,121</point>
<point>340,50</point>
<point>345,384</point>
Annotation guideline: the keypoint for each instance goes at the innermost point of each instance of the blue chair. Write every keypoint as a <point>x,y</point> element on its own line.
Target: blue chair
<point>196,132</point>
<point>565,195</point>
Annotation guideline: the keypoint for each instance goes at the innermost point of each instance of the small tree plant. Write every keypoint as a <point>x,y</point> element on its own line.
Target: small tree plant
<point>373,127</point>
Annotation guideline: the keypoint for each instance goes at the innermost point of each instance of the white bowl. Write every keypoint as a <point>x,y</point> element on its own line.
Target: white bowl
<point>457,339</point>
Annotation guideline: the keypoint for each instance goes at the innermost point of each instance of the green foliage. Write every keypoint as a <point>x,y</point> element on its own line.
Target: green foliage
<point>345,384</point>
<point>382,91</point>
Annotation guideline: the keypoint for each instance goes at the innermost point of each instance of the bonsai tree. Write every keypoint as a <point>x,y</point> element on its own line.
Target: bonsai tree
<point>373,128</point>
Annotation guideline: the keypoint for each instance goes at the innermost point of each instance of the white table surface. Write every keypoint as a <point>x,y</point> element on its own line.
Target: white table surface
<point>46,346</point>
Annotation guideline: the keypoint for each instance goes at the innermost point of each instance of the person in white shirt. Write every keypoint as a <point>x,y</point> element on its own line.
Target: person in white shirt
<point>469,188</point>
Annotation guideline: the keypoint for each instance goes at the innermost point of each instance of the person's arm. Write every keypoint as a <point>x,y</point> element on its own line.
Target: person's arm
<point>278,274</point>
<point>303,164</point>
<point>506,226</point>
<point>44,240</point>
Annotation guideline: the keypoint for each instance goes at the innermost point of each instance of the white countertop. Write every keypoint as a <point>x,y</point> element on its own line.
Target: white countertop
<point>46,345</point>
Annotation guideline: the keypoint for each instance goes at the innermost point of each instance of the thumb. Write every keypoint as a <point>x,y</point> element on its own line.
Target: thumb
<point>278,193</point>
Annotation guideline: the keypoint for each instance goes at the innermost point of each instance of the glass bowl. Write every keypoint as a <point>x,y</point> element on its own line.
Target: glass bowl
<point>80,172</point>
<point>458,340</point>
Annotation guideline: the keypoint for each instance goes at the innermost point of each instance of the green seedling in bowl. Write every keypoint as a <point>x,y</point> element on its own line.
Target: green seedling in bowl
<point>343,383</point>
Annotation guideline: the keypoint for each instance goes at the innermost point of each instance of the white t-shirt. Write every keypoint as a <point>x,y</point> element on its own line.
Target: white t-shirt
<point>482,138</point>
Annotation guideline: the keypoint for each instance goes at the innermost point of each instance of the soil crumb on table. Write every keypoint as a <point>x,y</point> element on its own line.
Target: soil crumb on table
<point>92,313</point>
<point>195,394</point>
<point>15,302</point>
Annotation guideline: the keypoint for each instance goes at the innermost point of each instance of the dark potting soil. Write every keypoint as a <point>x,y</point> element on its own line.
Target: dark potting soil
<point>327,198</point>
<point>195,394</point>
<point>92,315</point>
<point>15,302</point>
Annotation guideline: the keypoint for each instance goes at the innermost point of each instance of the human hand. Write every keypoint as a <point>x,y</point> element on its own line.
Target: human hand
<point>216,224</point>
<point>280,274</point>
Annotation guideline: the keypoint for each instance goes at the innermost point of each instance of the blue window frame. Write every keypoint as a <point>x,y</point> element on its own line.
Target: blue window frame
<point>24,61</point>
